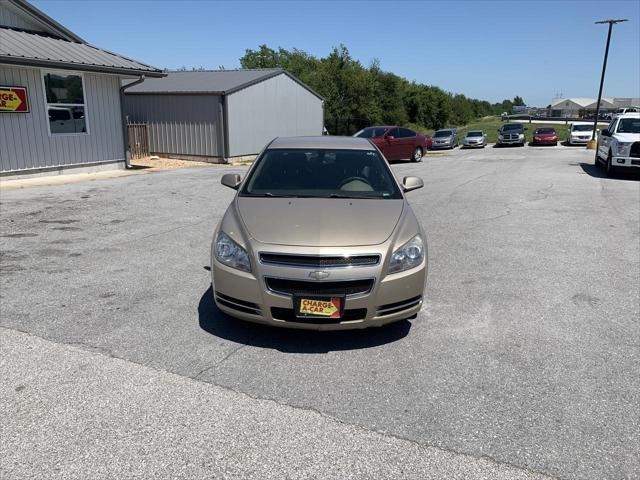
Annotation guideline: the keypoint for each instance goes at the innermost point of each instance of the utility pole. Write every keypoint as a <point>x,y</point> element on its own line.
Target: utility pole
<point>604,68</point>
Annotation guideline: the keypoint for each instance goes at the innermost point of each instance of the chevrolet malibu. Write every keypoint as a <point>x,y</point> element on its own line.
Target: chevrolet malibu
<point>319,236</point>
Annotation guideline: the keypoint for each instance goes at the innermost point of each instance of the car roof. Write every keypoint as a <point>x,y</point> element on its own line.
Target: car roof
<point>323,141</point>
<point>630,115</point>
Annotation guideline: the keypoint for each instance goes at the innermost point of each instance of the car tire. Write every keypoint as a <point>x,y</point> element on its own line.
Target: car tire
<point>417,155</point>
<point>596,160</point>
<point>610,167</point>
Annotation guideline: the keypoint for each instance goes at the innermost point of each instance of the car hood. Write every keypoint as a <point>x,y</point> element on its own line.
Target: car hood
<point>627,137</point>
<point>319,222</point>
<point>473,138</point>
<point>577,133</point>
<point>546,135</point>
<point>440,139</point>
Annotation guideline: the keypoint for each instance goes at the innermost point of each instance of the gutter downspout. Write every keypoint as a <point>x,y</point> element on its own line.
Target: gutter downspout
<point>224,115</point>
<point>125,130</point>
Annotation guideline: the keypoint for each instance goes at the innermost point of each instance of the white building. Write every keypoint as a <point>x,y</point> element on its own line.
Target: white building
<point>579,106</point>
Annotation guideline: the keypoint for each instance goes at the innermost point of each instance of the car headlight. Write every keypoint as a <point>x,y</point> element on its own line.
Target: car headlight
<point>407,256</point>
<point>230,253</point>
<point>623,148</point>
<point>500,137</point>
<point>521,135</point>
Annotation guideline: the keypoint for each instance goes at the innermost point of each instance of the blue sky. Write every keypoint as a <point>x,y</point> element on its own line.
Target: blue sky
<point>485,49</point>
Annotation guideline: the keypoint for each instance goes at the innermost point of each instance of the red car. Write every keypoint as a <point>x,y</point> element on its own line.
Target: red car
<point>545,136</point>
<point>397,143</point>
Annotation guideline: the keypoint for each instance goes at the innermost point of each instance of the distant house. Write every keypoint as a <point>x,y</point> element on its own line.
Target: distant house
<point>578,106</point>
<point>60,98</point>
<point>218,115</point>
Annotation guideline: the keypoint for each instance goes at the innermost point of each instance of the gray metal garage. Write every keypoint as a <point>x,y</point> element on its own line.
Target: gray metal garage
<point>59,96</point>
<point>217,115</point>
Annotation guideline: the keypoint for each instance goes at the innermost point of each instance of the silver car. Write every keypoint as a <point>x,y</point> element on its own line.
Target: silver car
<point>445,138</point>
<point>319,236</point>
<point>475,139</point>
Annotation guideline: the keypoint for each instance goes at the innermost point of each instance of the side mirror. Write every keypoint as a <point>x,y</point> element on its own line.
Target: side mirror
<point>390,137</point>
<point>412,183</point>
<point>605,133</point>
<point>526,128</point>
<point>498,130</point>
<point>231,180</point>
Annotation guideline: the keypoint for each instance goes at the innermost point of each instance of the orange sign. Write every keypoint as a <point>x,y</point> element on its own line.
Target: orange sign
<point>322,308</point>
<point>13,99</point>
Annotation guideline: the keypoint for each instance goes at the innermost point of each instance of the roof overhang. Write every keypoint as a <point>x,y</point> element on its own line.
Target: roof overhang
<point>31,62</point>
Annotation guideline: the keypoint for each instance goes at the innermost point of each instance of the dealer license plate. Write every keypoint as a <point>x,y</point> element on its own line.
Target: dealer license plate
<point>309,306</point>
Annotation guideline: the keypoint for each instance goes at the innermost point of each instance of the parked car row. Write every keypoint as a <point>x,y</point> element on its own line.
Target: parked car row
<point>399,143</point>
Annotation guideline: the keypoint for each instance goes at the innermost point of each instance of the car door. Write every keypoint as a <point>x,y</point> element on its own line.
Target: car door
<point>391,144</point>
<point>605,140</point>
<point>406,143</point>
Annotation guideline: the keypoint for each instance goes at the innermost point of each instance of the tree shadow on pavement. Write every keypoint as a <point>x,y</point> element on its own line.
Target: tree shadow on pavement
<point>600,172</point>
<point>217,323</point>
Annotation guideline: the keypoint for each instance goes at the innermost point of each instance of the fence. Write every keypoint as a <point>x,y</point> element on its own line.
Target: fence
<point>138,134</point>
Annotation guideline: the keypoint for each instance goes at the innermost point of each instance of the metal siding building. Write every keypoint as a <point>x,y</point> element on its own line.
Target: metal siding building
<point>276,107</point>
<point>25,142</point>
<point>180,125</point>
<point>215,115</point>
<point>33,140</point>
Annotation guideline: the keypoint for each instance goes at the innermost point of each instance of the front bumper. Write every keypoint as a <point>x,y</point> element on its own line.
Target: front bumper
<point>473,144</point>
<point>625,162</point>
<point>246,296</point>
<point>517,141</point>
<point>578,141</point>
<point>435,145</point>
<point>545,141</point>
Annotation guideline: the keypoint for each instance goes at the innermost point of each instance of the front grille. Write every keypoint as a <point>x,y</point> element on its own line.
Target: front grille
<point>510,136</point>
<point>288,315</point>
<point>396,307</point>
<point>301,287</point>
<point>319,261</point>
<point>635,150</point>
<point>237,304</point>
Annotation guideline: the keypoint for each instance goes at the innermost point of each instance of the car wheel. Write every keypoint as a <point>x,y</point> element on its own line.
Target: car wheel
<point>417,155</point>
<point>596,160</point>
<point>610,168</point>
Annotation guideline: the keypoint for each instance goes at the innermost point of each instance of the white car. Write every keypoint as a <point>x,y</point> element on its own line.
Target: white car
<point>622,111</point>
<point>619,145</point>
<point>579,133</point>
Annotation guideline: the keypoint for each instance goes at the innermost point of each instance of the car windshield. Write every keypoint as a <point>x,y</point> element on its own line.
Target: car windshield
<point>476,133</point>
<point>511,127</point>
<point>582,128</point>
<point>321,173</point>
<point>371,132</point>
<point>442,133</point>
<point>629,125</point>
<point>545,131</point>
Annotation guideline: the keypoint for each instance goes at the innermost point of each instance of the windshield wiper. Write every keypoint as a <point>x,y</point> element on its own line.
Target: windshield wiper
<point>341,195</point>
<point>274,195</point>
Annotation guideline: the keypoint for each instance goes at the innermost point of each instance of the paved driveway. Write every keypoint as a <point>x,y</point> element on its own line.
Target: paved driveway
<point>524,358</point>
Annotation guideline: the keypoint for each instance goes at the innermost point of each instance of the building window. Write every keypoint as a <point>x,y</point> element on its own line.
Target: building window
<point>66,107</point>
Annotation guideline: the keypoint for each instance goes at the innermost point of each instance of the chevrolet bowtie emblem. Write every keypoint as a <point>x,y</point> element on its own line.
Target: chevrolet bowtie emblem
<point>319,275</point>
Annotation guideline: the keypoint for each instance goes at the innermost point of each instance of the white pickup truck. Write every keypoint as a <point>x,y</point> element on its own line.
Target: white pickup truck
<point>619,145</point>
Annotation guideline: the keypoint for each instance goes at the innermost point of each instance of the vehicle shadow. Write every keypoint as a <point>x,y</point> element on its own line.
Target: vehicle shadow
<point>600,172</point>
<point>217,323</point>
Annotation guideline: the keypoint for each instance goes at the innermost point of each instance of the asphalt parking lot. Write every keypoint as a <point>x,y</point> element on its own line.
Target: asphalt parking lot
<point>523,363</point>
